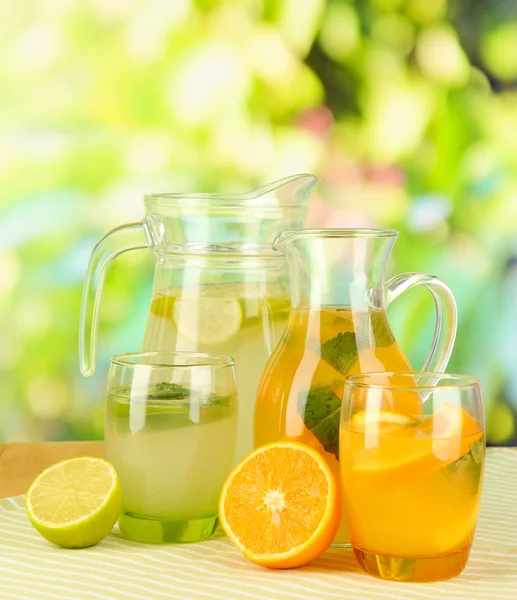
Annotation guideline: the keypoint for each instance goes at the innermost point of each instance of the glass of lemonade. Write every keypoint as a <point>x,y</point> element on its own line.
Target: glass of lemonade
<point>171,423</point>
<point>412,481</point>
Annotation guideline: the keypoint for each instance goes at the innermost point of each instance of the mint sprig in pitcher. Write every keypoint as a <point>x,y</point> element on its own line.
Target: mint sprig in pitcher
<point>338,326</point>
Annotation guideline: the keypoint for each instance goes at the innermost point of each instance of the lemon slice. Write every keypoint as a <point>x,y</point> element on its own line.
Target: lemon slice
<point>388,420</point>
<point>208,321</point>
<point>75,502</point>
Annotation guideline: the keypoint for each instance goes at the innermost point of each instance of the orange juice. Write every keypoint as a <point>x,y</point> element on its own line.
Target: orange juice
<point>300,393</point>
<point>411,493</point>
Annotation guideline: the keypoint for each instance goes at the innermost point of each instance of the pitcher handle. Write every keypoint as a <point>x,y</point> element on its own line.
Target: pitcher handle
<point>133,236</point>
<point>446,314</point>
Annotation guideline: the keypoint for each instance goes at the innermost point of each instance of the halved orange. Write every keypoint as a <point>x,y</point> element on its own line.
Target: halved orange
<point>308,438</point>
<point>281,505</point>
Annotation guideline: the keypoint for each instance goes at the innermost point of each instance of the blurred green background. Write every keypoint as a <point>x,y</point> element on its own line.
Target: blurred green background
<point>406,109</point>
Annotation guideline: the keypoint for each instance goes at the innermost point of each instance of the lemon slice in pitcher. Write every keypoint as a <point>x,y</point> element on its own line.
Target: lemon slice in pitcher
<point>207,321</point>
<point>76,502</point>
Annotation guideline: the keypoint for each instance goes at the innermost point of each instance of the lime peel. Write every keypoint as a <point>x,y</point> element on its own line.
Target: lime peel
<point>87,486</point>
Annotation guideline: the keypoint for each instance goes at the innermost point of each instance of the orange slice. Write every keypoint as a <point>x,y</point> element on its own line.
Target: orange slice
<point>400,455</point>
<point>385,421</point>
<point>392,461</point>
<point>452,429</point>
<point>450,420</point>
<point>280,505</point>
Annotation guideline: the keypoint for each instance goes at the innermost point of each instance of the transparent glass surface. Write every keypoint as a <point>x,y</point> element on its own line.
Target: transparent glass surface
<point>412,449</point>
<point>337,326</point>
<point>218,285</point>
<point>171,427</point>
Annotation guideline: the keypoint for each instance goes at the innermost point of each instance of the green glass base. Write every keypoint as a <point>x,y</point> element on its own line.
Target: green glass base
<point>157,531</point>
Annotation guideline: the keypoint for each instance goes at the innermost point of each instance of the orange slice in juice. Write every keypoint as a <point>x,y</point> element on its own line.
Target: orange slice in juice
<point>385,421</point>
<point>384,458</point>
<point>449,420</point>
<point>280,505</point>
<point>453,430</point>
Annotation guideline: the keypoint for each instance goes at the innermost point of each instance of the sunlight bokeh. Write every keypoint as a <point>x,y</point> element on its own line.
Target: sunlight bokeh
<point>406,110</point>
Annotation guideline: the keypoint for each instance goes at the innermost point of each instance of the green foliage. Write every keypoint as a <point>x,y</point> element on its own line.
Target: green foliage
<point>406,109</point>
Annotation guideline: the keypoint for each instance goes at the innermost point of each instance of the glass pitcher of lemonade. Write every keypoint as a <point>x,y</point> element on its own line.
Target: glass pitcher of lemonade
<point>338,326</point>
<point>219,288</point>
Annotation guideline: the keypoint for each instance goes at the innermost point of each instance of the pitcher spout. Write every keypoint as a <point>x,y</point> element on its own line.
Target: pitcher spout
<point>236,220</point>
<point>289,191</point>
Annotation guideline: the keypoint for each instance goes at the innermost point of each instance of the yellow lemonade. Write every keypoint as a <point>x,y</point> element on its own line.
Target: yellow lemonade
<point>242,320</point>
<point>409,491</point>
<point>301,390</point>
<point>172,450</point>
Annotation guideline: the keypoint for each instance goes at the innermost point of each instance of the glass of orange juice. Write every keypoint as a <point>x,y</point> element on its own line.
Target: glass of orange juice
<point>412,450</point>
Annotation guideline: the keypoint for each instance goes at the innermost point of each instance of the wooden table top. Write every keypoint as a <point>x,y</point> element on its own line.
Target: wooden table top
<point>20,462</point>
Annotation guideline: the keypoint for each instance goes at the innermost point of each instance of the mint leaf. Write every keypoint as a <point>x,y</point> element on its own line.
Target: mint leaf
<point>477,450</point>
<point>169,391</point>
<point>320,409</point>
<point>174,391</point>
<point>382,334</point>
<point>164,398</point>
<point>471,459</point>
<point>327,433</point>
<point>214,400</point>
<point>465,472</point>
<point>373,329</point>
<point>340,352</point>
<point>317,405</point>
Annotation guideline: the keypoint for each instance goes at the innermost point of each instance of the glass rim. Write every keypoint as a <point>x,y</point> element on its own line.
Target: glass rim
<point>347,232</point>
<point>205,360</point>
<point>456,380</point>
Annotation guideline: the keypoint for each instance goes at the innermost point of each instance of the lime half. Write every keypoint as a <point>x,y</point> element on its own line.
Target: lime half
<point>207,321</point>
<point>75,502</point>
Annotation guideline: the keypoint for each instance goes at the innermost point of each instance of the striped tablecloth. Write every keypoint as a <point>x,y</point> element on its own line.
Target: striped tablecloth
<point>30,568</point>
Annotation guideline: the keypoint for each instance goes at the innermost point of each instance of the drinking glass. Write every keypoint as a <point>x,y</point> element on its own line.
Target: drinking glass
<point>171,423</point>
<point>412,450</point>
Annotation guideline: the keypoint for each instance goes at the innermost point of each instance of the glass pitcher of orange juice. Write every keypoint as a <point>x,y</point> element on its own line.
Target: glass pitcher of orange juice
<point>338,326</point>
